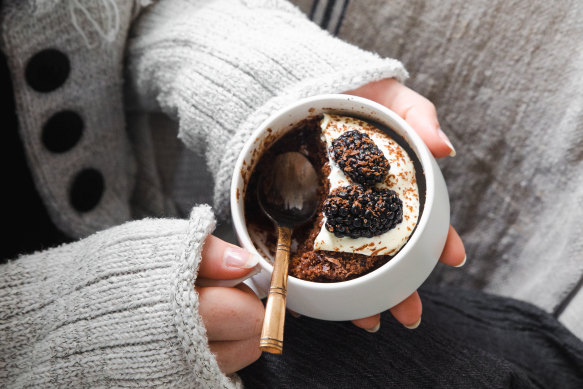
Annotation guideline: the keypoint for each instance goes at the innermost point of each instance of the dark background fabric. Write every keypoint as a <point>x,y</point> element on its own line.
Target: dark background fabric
<point>467,339</point>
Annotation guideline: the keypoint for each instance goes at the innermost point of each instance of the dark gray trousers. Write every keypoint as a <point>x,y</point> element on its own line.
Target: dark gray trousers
<point>467,339</point>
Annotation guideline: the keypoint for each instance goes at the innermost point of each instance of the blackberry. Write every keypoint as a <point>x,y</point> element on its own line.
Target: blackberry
<point>356,211</point>
<point>359,158</point>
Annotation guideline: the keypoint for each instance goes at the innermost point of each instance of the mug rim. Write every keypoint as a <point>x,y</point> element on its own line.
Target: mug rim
<point>404,130</point>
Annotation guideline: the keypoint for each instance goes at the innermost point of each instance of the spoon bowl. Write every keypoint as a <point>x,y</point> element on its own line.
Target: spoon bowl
<point>288,194</point>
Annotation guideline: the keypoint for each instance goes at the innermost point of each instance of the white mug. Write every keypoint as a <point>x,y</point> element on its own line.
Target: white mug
<point>391,283</point>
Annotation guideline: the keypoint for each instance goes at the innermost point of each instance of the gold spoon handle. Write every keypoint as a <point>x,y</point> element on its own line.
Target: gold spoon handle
<point>272,333</point>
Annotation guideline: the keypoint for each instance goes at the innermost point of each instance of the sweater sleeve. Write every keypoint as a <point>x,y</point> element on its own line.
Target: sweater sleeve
<point>115,309</point>
<point>221,67</point>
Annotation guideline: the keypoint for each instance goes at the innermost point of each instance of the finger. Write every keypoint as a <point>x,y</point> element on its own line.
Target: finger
<point>370,324</point>
<point>234,355</point>
<point>230,313</point>
<point>418,111</point>
<point>408,311</point>
<point>454,253</point>
<point>222,260</point>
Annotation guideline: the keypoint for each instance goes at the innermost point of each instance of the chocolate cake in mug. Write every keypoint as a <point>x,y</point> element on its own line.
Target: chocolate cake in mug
<point>370,202</point>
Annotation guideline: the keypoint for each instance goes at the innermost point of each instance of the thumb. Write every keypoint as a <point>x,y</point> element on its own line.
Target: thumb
<point>223,261</point>
<point>422,118</point>
<point>418,111</point>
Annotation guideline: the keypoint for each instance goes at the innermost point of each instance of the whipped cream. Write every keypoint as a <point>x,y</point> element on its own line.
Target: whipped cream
<point>401,179</point>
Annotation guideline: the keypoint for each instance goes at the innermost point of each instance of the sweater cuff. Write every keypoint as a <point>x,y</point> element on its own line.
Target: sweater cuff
<point>223,67</point>
<point>189,325</point>
<point>117,308</point>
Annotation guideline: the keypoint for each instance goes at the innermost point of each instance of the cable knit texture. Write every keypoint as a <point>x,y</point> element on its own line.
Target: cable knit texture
<point>115,309</point>
<point>223,67</point>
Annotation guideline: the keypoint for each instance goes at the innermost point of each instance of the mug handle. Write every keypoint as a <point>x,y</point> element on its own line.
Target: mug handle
<point>204,282</point>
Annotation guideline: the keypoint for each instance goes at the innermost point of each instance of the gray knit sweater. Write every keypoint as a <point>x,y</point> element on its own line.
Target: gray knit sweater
<point>118,308</point>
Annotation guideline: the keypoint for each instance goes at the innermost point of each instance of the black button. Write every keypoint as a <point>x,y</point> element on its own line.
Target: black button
<point>62,131</point>
<point>47,70</point>
<point>87,190</point>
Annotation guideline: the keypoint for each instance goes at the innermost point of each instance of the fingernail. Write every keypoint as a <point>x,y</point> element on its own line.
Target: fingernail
<point>447,142</point>
<point>463,262</point>
<point>239,258</point>
<point>375,328</point>
<point>414,325</point>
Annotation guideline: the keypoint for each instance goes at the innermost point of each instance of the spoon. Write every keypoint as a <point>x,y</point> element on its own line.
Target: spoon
<point>288,194</point>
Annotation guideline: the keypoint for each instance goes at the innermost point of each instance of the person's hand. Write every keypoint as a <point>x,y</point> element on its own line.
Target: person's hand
<point>232,316</point>
<point>421,115</point>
